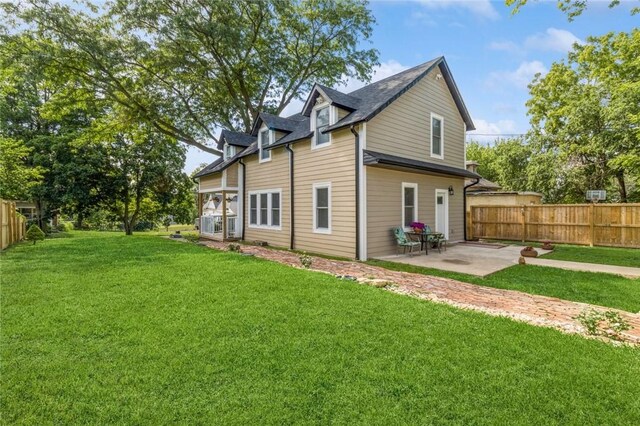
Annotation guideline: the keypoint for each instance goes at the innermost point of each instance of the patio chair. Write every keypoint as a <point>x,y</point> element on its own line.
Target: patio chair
<point>404,242</point>
<point>437,239</point>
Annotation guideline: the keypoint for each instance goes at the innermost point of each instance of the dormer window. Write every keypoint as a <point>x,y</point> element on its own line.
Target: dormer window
<point>266,139</point>
<point>229,151</point>
<point>322,122</point>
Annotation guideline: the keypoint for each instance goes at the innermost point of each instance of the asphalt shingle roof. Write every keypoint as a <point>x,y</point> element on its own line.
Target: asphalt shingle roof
<point>372,158</point>
<point>235,138</point>
<point>363,103</point>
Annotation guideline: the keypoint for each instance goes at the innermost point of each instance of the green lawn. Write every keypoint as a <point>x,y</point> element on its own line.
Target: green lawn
<point>103,328</point>
<point>601,255</point>
<point>595,288</point>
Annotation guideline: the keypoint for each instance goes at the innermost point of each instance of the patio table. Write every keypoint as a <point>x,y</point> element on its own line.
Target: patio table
<point>424,238</point>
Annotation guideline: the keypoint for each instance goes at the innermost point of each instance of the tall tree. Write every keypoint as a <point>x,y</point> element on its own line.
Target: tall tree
<point>188,68</point>
<point>16,176</point>
<point>573,8</point>
<point>588,109</point>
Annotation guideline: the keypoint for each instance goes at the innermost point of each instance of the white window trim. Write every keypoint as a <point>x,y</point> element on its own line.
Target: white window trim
<point>441,118</point>
<point>333,114</point>
<point>415,203</point>
<point>270,134</point>
<point>316,186</point>
<point>224,152</point>
<point>269,208</point>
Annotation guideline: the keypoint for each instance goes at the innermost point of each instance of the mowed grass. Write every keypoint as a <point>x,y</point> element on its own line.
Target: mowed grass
<point>103,328</point>
<point>600,255</point>
<point>607,290</point>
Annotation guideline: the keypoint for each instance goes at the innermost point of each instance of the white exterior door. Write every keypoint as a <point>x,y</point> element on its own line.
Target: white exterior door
<point>442,212</point>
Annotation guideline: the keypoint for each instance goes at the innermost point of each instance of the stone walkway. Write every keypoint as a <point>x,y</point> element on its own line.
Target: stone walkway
<point>533,309</point>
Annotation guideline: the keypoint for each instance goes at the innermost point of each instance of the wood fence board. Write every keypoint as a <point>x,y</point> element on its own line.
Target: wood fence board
<point>616,225</point>
<point>12,226</point>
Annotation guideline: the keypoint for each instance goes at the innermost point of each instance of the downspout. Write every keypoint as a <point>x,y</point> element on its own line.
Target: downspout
<point>291,200</point>
<point>357,140</point>
<point>464,205</point>
<point>244,186</point>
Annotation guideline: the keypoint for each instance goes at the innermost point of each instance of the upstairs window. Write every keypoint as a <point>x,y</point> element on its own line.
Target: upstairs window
<point>322,120</point>
<point>229,151</point>
<point>265,141</point>
<point>437,136</point>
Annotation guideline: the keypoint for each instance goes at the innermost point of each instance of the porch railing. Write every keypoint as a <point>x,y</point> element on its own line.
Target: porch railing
<point>213,225</point>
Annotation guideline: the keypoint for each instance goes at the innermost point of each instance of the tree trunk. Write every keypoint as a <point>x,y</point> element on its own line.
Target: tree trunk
<point>79,220</point>
<point>622,186</point>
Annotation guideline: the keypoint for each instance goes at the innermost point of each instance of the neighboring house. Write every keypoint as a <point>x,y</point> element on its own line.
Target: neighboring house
<point>487,193</point>
<point>338,176</point>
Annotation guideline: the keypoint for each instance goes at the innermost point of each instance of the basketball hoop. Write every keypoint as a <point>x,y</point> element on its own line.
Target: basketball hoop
<point>596,195</point>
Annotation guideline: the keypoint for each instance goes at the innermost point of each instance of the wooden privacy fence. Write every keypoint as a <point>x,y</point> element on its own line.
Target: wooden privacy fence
<point>615,225</point>
<point>12,226</point>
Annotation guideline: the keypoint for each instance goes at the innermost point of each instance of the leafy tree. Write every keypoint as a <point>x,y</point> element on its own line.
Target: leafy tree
<point>188,68</point>
<point>573,8</point>
<point>34,233</point>
<point>587,110</point>
<point>16,176</point>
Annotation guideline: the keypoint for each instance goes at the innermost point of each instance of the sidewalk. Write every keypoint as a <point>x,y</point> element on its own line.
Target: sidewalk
<point>533,309</point>
<point>625,271</point>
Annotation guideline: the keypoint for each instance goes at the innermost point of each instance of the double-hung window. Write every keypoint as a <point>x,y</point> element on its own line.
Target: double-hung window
<point>264,209</point>
<point>437,136</point>
<point>265,141</point>
<point>322,208</point>
<point>322,121</point>
<point>409,204</point>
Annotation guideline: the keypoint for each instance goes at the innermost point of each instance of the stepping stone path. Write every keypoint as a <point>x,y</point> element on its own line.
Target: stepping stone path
<point>533,309</point>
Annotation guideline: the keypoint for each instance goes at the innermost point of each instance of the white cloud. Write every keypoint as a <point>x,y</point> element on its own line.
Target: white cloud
<point>481,8</point>
<point>487,131</point>
<point>507,46</point>
<point>422,18</point>
<point>520,78</point>
<point>553,39</point>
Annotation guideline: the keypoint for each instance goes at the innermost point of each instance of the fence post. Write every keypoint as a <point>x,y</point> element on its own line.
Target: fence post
<point>591,224</point>
<point>524,223</point>
<point>470,225</point>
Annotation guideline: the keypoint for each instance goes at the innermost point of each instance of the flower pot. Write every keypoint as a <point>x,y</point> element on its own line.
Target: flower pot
<point>528,253</point>
<point>417,230</point>
<point>548,247</point>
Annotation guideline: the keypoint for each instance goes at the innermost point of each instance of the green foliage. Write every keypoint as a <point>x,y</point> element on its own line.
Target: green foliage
<point>235,247</point>
<point>572,8</point>
<point>603,323</point>
<point>181,333</point>
<point>306,260</point>
<point>188,68</point>
<point>16,176</point>
<point>64,226</point>
<point>586,113</point>
<point>34,233</point>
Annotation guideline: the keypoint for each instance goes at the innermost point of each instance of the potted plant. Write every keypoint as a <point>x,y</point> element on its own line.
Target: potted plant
<point>418,227</point>
<point>547,245</point>
<point>528,252</point>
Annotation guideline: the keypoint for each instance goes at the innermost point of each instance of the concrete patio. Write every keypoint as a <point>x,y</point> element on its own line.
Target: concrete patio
<point>470,259</point>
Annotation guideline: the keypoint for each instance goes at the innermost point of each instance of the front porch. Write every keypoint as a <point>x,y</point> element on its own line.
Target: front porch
<point>219,219</point>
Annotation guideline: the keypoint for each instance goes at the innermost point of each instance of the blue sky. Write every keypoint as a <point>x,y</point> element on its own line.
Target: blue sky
<point>493,54</point>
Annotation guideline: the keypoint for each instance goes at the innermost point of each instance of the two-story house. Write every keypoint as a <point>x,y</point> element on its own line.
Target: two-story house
<point>337,177</point>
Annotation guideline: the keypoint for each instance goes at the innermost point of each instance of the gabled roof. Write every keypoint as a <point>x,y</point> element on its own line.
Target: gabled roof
<point>274,122</point>
<point>210,168</point>
<point>334,97</point>
<point>371,158</point>
<point>235,138</point>
<point>364,104</point>
<point>377,96</point>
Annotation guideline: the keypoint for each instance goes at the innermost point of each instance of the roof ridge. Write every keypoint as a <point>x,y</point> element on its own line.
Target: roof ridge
<point>399,74</point>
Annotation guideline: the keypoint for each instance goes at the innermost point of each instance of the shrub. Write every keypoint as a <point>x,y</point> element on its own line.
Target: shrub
<point>64,226</point>
<point>34,233</point>
<point>235,247</point>
<point>306,260</point>
<point>607,323</point>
